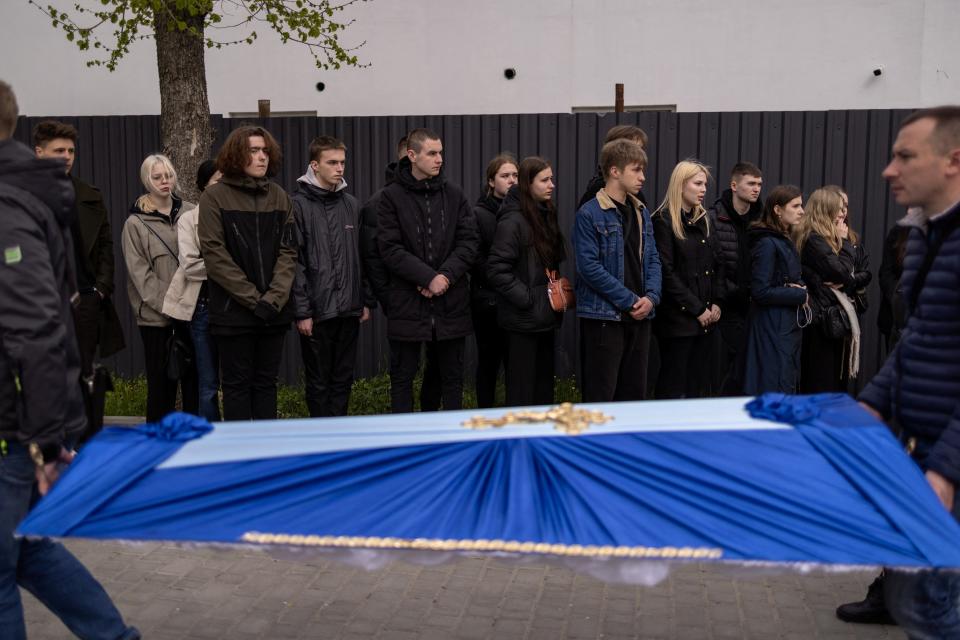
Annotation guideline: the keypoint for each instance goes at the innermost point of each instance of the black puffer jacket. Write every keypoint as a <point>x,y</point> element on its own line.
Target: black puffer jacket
<point>516,273</point>
<point>691,272</point>
<point>485,211</point>
<point>42,404</point>
<point>892,314</point>
<point>329,281</point>
<point>425,228</point>
<point>377,275</point>
<point>732,230</point>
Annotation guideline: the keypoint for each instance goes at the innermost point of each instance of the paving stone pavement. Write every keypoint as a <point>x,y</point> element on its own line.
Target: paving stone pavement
<point>174,593</point>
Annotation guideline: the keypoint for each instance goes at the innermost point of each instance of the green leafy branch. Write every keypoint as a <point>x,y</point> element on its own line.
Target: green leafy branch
<point>308,22</point>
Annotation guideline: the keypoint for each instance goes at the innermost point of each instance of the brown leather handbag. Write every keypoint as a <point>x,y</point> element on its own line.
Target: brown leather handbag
<point>560,292</point>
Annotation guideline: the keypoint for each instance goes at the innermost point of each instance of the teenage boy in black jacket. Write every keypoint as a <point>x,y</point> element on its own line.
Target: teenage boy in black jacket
<point>330,291</point>
<point>428,241</point>
<point>380,280</point>
<point>730,218</point>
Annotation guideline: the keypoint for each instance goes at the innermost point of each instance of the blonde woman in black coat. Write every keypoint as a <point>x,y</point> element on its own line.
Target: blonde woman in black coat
<point>690,305</point>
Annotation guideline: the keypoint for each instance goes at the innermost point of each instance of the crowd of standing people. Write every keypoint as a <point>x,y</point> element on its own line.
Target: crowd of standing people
<point>741,297</point>
<point>216,285</point>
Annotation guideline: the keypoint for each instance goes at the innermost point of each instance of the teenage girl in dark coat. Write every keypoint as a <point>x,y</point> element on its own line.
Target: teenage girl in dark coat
<point>527,243</point>
<point>777,297</point>
<point>501,174</point>
<point>689,309</point>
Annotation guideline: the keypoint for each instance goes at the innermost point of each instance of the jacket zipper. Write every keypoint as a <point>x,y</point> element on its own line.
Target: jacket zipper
<point>256,217</point>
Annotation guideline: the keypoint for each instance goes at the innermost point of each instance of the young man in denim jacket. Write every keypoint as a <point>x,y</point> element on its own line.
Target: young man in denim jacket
<point>618,279</point>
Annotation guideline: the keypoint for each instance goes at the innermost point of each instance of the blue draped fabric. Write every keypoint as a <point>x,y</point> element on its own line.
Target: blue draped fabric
<point>835,489</point>
<point>113,462</point>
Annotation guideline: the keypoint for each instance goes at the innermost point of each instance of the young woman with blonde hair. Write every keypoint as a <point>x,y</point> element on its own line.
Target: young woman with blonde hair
<point>151,254</point>
<point>827,267</point>
<point>690,306</point>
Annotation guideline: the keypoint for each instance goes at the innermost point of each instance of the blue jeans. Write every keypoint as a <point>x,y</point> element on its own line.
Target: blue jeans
<point>208,364</point>
<point>45,568</point>
<point>926,604</point>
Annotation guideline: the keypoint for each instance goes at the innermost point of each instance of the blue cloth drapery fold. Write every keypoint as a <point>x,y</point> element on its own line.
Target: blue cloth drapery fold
<point>864,452</point>
<point>113,462</point>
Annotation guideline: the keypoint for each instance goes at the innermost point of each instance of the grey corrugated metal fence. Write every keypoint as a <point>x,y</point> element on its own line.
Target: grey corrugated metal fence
<point>806,148</point>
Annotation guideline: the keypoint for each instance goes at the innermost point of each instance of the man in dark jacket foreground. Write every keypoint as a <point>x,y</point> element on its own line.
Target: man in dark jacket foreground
<point>919,384</point>
<point>730,217</point>
<point>428,241</point>
<point>329,289</point>
<point>41,409</point>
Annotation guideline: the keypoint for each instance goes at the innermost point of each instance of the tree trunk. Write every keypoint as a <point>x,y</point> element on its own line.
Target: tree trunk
<point>185,131</point>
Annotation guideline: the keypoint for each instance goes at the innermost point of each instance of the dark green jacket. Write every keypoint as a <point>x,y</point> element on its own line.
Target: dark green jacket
<point>248,242</point>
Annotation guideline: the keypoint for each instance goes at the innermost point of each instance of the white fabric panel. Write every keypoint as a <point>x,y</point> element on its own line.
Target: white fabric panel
<point>237,441</point>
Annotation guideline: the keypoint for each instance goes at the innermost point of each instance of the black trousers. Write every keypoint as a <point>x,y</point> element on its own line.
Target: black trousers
<point>613,360</point>
<point>732,353</point>
<point>684,366</point>
<point>491,354</point>
<point>249,367</point>
<point>405,362</point>
<point>329,356</point>
<point>161,390</point>
<point>431,390</point>
<point>823,364</point>
<point>86,320</point>
<point>530,368</point>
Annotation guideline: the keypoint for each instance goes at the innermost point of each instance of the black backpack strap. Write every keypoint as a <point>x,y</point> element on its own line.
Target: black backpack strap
<point>157,236</point>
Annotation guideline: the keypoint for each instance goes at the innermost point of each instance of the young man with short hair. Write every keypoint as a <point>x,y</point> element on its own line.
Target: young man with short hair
<point>41,409</point>
<point>618,279</point>
<point>428,241</point>
<point>95,318</point>
<point>247,240</point>
<point>730,218</point>
<point>619,132</point>
<point>919,384</point>
<point>329,290</point>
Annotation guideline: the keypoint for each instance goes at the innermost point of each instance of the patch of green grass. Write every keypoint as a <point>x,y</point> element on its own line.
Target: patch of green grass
<point>369,396</point>
<point>128,398</point>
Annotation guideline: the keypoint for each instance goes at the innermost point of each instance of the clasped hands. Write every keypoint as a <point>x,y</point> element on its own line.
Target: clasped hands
<point>710,316</point>
<point>641,308</point>
<point>437,287</point>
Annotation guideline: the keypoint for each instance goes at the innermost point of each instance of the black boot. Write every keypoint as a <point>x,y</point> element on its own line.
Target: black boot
<point>870,610</point>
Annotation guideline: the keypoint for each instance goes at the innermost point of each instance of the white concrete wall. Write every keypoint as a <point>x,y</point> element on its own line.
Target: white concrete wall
<point>448,56</point>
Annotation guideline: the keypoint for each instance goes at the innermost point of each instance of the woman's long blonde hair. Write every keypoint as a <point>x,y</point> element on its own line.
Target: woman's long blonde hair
<point>820,217</point>
<point>673,201</point>
<point>851,234</point>
<point>144,202</point>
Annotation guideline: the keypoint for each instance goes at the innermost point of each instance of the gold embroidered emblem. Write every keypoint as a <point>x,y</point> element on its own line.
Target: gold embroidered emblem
<point>565,417</point>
